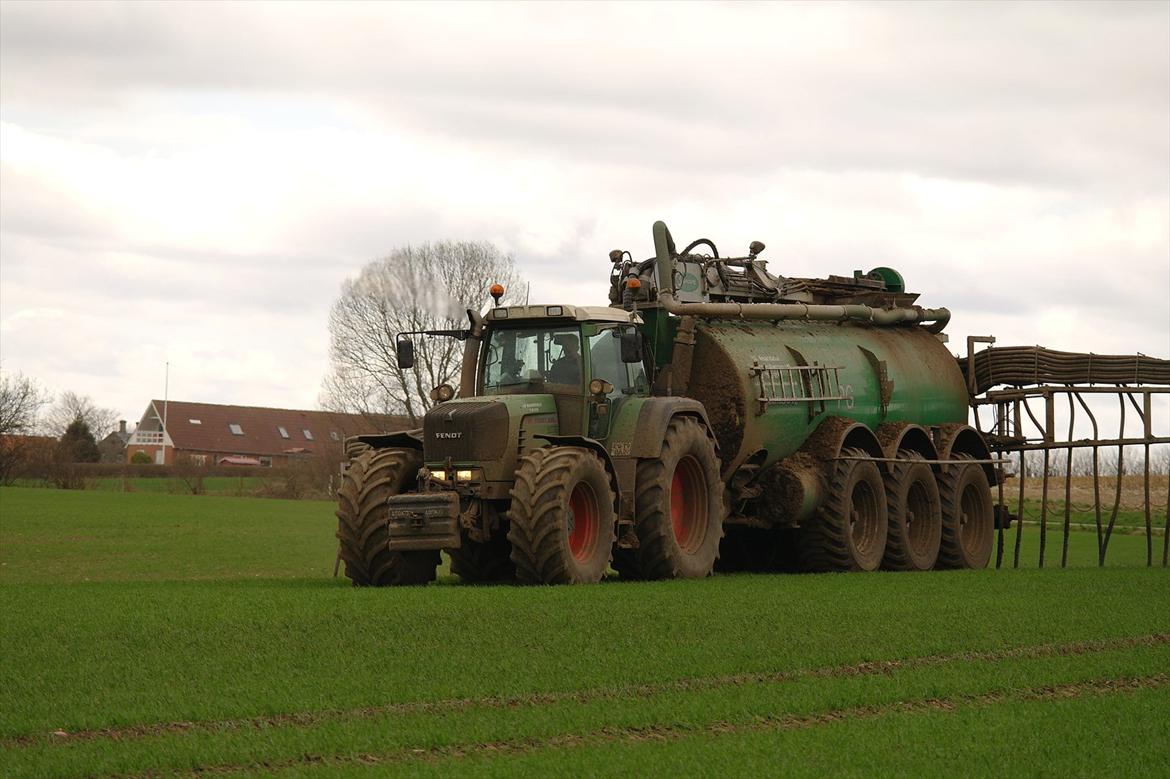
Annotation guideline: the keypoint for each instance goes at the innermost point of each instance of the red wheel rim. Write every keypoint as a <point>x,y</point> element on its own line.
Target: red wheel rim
<point>688,504</point>
<point>584,521</point>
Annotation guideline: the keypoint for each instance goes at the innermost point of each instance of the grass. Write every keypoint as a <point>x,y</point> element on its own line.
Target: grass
<point>168,634</point>
<point>238,486</point>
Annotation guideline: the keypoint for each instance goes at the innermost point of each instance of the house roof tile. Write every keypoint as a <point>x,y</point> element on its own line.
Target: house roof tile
<point>260,427</point>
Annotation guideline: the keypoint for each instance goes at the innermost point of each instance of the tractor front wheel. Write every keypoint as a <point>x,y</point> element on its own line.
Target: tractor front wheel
<point>562,520</point>
<point>362,529</point>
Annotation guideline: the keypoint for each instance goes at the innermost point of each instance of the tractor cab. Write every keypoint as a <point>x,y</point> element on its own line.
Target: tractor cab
<point>586,360</point>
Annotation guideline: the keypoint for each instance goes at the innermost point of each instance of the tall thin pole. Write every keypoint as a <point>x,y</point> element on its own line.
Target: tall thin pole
<point>166,399</point>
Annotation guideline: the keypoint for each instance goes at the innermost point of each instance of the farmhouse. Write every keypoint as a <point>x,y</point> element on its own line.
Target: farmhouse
<point>212,434</point>
<point>112,448</point>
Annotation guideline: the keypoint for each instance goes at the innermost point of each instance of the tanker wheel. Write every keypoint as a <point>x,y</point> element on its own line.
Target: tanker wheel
<point>848,532</point>
<point>362,529</point>
<point>483,562</point>
<point>561,521</point>
<point>679,505</point>
<point>915,515</point>
<point>968,519</point>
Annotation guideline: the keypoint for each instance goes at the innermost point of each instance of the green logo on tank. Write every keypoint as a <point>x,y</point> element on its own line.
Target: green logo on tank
<point>690,283</point>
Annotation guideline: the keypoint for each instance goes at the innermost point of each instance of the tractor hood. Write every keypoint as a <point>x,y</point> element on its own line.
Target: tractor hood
<point>485,428</point>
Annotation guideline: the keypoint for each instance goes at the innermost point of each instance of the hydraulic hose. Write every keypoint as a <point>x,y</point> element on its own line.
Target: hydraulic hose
<point>1030,365</point>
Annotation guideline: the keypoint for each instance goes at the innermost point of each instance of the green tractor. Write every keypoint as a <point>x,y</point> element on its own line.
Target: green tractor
<point>712,416</point>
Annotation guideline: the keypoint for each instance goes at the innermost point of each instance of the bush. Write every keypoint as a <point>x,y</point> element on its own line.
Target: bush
<point>141,458</point>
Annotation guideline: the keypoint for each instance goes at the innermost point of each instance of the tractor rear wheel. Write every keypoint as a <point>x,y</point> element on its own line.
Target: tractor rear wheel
<point>362,528</point>
<point>915,515</point>
<point>562,520</point>
<point>968,519</point>
<point>483,562</point>
<point>848,532</point>
<point>679,505</point>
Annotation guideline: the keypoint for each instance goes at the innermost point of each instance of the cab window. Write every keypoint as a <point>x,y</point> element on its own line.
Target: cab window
<point>523,355</point>
<point>606,362</point>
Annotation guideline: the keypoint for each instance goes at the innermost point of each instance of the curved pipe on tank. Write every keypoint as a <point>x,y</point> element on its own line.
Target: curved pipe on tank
<point>663,245</point>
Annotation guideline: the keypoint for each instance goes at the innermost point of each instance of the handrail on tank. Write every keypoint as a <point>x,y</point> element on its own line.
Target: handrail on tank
<point>664,249</point>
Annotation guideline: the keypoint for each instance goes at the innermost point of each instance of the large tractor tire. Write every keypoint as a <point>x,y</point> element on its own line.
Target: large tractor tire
<point>915,515</point>
<point>562,520</point>
<point>848,532</point>
<point>483,563</point>
<point>361,521</point>
<point>678,505</point>
<point>968,517</point>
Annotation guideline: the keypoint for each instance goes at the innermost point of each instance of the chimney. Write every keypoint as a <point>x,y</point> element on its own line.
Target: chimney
<point>122,426</point>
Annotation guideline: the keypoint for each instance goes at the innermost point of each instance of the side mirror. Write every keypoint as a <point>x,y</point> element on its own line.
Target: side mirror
<point>631,345</point>
<point>405,349</point>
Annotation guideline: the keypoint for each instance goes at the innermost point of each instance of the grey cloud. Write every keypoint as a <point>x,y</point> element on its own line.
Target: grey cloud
<point>1030,93</point>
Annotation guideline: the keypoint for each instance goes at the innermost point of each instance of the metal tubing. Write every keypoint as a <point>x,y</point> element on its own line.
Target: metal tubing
<point>663,249</point>
<point>470,355</point>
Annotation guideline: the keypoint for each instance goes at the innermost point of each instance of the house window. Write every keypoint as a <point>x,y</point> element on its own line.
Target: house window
<point>283,432</point>
<point>308,433</point>
<point>333,435</point>
<point>266,462</point>
<point>195,421</point>
<point>199,459</point>
<point>236,429</point>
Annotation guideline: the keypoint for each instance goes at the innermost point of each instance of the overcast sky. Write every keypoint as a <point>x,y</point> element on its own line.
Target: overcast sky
<point>192,183</point>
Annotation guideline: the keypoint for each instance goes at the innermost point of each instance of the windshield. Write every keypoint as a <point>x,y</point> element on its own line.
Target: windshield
<point>525,355</point>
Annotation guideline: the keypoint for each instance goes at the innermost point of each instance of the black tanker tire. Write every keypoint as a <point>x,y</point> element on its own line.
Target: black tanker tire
<point>829,540</point>
<point>968,519</point>
<point>483,562</point>
<point>366,485</point>
<point>915,515</point>
<point>540,518</point>
<point>660,554</point>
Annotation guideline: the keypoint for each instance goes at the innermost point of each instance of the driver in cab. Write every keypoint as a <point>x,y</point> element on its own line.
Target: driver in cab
<point>567,368</point>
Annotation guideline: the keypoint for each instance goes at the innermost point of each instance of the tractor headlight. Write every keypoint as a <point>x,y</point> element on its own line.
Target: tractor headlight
<point>464,475</point>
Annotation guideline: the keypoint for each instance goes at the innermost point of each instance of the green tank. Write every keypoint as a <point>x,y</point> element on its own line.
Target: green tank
<point>767,386</point>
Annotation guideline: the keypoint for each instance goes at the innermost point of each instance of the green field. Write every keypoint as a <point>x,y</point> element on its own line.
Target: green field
<point>153,634</point>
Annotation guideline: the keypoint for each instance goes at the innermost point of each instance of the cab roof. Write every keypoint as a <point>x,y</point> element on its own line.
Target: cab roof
<point>562,312</point>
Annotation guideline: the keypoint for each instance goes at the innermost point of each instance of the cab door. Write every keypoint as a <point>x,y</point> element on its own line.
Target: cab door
<point>605,363</point>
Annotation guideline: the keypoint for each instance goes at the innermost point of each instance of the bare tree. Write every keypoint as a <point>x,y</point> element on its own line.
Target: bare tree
<point>71,407</point>
<point>21,399</point>
<point>426,287</point>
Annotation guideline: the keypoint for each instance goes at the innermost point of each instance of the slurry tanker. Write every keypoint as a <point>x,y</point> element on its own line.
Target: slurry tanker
<point>713,416</point>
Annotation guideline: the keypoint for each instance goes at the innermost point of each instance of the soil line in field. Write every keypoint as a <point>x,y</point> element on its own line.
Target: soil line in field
<point>310,718</point>
<point>671,733</point>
